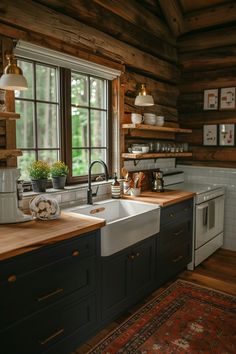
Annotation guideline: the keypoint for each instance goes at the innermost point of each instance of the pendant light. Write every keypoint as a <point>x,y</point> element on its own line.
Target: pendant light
<point>12,78</point>
<point>143,99</point>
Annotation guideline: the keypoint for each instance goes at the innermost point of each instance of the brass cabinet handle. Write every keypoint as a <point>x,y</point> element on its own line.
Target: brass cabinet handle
<point>172,215</point>
<point>11,278</point>
<point>131,257</point>
<point>178,232</point>
<point>177,259</point>
<point>57,333</point>
<point>75,253</point>
<point>45,297</point>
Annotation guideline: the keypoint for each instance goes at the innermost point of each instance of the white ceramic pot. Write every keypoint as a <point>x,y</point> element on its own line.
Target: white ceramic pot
<point>149,118</point>
<point>160,121</point>
<point>136,118</point>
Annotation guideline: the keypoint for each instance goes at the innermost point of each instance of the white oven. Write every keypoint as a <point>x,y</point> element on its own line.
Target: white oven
<point>208,217</point>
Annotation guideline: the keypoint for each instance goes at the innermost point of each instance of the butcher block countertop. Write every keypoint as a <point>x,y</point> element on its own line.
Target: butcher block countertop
<point>165,198</point>
<point>23,237</point>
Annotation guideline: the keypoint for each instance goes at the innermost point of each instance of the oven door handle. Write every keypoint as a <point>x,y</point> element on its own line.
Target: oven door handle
<point>205,215</point>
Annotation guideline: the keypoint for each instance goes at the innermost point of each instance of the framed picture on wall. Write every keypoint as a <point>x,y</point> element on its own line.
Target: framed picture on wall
<point>227,135</point>
<point>227,98</point>
<point>210,135</point>
<point>210,100</point>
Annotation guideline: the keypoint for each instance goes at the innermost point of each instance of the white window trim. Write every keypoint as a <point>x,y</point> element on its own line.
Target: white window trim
<point>53,57</point>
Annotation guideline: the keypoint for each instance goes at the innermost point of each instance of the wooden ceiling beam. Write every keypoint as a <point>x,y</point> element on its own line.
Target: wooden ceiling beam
<point>102,19</point>
<point>173,16</point>
<point>213,16</point>
<point>137,14</point>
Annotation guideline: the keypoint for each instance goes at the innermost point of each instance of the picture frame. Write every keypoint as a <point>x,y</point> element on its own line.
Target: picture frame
<point>227,98</point>
<point>226,134</point>
<point>210,100</point>
<point>210,136</point>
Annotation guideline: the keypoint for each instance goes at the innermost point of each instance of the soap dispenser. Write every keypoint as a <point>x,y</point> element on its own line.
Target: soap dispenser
<point>115,188</point>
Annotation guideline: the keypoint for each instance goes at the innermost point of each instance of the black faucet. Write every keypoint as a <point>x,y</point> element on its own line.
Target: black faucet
<point>90,193</point>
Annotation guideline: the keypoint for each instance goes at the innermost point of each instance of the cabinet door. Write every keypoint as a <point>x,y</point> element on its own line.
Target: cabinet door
<point>57,329</point>
<point>142,269</point>
<point>115,274</point>
<point>126,277</point>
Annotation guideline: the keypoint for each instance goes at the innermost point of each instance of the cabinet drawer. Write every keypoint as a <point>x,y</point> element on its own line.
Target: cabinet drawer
<point>175,233</point>
<point>81,247</point>
<point>41,332</point>
<point>38,289</point>
<point>176,212</point>
<point>173,262</point>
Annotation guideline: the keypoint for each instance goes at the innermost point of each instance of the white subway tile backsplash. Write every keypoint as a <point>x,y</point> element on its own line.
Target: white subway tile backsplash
<point>226,178</point>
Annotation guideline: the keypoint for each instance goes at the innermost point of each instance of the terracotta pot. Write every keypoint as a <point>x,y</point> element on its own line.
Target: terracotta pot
<point>59,182</point>
<point>39,185</point>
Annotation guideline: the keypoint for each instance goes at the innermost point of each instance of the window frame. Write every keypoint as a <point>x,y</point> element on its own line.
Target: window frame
<point>36,149</point>
<point>67,125</point>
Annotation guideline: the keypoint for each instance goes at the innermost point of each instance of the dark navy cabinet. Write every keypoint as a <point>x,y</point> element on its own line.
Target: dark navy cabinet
<point>174,243</point>
<point>127,276</point>
<point>50,295</point>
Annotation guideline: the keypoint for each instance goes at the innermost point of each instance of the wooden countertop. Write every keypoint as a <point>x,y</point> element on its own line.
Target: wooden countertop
<point>165,198</point>
<point>23,237</point>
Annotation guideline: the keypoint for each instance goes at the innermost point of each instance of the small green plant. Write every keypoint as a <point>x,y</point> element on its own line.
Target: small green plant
<point>39,170</point>
<point>59,169</point>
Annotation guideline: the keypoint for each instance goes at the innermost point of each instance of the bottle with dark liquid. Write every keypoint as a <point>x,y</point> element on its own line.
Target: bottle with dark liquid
<point>115,188</point>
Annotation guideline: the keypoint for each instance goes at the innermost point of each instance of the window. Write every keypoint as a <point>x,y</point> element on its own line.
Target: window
<point>44,119</point>
<point>89,128</point>
<point>37,132</point>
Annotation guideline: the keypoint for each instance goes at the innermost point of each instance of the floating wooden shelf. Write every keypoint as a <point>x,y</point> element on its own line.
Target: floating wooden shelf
<point>9,115</point>
<point>155,155</point>
<point>156,128</point>
<point>9,153</point>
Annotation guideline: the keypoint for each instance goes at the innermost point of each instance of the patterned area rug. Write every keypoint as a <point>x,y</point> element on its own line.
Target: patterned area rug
<point>185,318</point>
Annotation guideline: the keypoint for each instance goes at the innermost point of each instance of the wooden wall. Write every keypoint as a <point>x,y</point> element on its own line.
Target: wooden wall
<point>207,60</point>
<point>128,35</point>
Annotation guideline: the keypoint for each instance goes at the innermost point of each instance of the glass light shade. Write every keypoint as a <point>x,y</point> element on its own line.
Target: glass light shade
<point>13,78</point>
<point>13,82</point>
<point>144,100</point>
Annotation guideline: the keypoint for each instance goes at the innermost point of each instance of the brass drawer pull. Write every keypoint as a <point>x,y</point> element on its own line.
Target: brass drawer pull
<point>172,215</point>
<point>138,254</point>
<point>54,335</point>
<point>178,232</point>
<point>45,297</point>
<point>177,259</point>
<point>75,253</point>
<point>131,257</point>
<point>11,278</point>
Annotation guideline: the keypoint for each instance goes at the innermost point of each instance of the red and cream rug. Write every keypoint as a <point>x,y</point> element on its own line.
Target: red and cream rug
<point>185,318</point>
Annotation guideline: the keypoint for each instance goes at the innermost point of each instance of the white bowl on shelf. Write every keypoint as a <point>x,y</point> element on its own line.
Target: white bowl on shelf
<point>149,118</point>
<point>160,121</point>
<point>136,118</point>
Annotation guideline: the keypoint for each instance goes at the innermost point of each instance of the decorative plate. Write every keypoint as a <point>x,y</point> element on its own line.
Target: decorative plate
<point>44,208</point>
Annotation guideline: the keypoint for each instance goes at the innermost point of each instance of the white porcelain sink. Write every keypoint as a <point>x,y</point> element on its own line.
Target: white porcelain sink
<point>127,222</point>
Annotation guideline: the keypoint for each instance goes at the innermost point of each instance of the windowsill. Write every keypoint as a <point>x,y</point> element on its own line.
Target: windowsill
<point>72,195</point>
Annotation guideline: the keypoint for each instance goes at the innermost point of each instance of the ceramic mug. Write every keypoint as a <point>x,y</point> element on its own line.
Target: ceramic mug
<point>136,118</point>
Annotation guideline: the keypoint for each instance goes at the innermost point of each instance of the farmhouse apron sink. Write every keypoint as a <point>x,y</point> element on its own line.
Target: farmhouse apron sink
<point>127,222</point>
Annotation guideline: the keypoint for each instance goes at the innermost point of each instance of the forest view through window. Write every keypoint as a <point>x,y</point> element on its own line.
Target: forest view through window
<point>44,119</point>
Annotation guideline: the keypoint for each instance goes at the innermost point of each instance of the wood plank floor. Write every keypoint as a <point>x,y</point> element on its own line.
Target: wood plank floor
<point>217,272</point>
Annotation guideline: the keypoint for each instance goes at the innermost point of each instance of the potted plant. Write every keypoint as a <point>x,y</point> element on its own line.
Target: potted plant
<point>59,172</point>
<point>39,172</point>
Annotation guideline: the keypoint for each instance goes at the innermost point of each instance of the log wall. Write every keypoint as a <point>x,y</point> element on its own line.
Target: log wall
<point>125,35</point>
<point>207,61</point>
